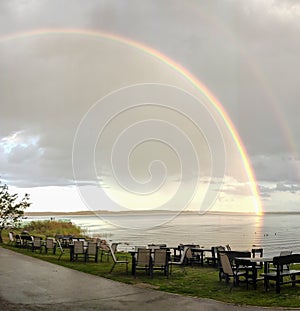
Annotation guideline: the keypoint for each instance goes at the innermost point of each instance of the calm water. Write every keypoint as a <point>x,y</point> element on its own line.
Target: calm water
<point>274,232</point>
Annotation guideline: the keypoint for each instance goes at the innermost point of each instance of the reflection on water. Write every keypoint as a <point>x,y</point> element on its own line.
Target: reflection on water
<point>274,232</point>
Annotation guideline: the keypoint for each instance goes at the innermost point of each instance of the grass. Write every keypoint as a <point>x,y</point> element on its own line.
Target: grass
<point>197,282</point>
<point>45,228</point>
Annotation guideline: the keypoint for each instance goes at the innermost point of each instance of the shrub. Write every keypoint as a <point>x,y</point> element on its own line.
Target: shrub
<point>52,228</point>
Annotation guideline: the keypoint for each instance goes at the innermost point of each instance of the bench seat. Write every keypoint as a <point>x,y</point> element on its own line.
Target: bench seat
<point>280,275</point>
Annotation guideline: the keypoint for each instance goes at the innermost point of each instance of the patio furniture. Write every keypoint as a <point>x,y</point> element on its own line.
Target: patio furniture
<point>18,240</point>
<point>282,276</point>
<point>252,262</point>
<point>229,270</point>
<point>78,250</point>
<point>213,259</point>
<point>199,254</point>
<point>186,255</point>
<point>160,261</point>
<point>251,267</point>
<point>231,256</point>
<point>116,260</point>
<point>36,244</point>
<point>105,249</point>
<point>26,240</point>
<point>61,249</point>
<point>11,238</point>
<point>143,261</point>
<point>219,249</point>
<point>91,251</point>
<point>50,244</point>
<point>284,267</point>
<point>257,252</point>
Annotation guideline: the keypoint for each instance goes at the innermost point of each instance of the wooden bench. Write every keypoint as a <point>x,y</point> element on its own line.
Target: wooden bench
<point>283,276</point>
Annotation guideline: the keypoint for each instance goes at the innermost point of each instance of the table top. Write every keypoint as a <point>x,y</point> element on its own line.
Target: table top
<point>256,259</point>
<point>200,249</point>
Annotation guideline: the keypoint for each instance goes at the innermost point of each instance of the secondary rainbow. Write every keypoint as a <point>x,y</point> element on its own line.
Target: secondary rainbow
<point>178,68</point>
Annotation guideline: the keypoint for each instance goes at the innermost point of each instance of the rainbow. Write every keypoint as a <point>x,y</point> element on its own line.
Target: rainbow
<point>176,67</point>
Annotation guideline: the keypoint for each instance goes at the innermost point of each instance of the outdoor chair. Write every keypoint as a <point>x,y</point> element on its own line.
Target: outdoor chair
<point>105,249</point>
<point>153,247</point>
<point>284,267</point>
<point>212,260</point>
<point>229,271</point>
<point>186,256</point>
<point>143,261</point>
<point>116,260</point>
<point>196,255</point>
<point>50,244</point>
<point>18,240</point>
<point>11,238</point>
<point>78,249</point>
<point>231,256</point>
<point>26,241</point>
<point>160,261</point>
<point>36,244</point>
<point>257,252</point>
<point>61,249</point>
<point>91,251</point>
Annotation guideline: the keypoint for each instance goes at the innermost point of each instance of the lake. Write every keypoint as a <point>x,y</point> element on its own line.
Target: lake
<point>274,232</point>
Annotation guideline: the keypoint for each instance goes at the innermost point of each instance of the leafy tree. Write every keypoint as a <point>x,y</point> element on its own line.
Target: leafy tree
<point>11,209</point>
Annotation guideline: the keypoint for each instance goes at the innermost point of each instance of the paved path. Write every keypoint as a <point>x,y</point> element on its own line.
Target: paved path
<point>27,283</point>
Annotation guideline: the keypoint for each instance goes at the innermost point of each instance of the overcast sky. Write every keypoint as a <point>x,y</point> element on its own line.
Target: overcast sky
<point>71,94</point>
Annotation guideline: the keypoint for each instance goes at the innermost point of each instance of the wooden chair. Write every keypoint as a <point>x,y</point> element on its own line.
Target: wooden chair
<point>258,252</point>
<point>284,267</point>
<point>283,276</point>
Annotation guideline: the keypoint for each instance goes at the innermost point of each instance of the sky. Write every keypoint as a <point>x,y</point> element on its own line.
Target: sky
<point>125,105</point>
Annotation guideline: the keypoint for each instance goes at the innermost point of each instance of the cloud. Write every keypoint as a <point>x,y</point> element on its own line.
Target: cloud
<point>246,52</point>
<point>277,167</point>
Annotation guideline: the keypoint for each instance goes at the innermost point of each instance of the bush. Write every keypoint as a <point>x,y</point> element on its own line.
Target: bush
<point>51,228</point>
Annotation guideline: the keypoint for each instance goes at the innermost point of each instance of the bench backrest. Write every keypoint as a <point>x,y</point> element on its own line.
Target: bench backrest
<point>285,260</point>
<point>232,254</point>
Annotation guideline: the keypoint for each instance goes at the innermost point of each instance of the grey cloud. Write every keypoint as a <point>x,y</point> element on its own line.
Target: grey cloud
<point>246,52</point>
<point>276,167</point>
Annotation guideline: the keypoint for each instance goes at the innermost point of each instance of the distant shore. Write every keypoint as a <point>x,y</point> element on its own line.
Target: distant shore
<point>105,212</point>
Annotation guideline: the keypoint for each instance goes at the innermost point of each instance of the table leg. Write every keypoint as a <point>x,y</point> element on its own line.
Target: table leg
<point>133,264</point>
<point>266,281</point>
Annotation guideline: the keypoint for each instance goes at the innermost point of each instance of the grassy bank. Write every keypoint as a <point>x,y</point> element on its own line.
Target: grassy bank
<point>45,228</point>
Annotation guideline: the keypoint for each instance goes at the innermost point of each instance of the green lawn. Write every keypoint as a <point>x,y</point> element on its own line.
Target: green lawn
<point>197,282</point>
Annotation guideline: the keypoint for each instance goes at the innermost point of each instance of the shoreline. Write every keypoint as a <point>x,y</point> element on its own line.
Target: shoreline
<point>106,212</point>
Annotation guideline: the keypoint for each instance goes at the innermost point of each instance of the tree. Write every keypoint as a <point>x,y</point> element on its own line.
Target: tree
<point>11,209</point>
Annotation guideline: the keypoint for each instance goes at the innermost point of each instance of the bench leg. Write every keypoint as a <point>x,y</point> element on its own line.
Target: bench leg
<point>293,278</point>
<point>278,281</point>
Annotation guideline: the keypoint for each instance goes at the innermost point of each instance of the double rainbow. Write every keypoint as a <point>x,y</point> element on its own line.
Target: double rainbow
<point>176,67</point>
